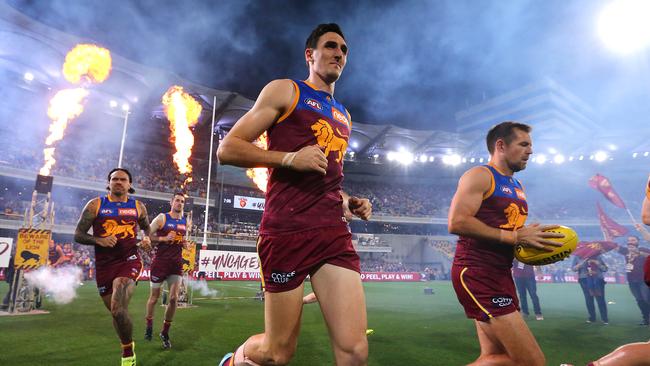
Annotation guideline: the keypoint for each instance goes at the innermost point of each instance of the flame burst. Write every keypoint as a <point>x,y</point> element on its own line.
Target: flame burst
<point>87,62</point>
<point>260,176</point>
<point>183,112</point>
<point>64,106</point>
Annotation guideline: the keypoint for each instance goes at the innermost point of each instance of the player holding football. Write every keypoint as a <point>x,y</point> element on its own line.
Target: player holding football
<point>488,213</point>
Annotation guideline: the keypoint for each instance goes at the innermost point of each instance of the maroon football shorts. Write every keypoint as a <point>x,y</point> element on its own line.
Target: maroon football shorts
<point>106,273</point>
<point>484,293</point>
<point>287,259</point>
<point>163,268</point>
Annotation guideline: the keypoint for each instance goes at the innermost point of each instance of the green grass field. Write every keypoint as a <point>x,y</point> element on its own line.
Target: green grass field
<point>410,328</point>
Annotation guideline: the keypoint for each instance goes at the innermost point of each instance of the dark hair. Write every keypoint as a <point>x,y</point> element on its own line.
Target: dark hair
<point>505,131</point>
<point>637,238</point>
<point>131,190</point>
<point>179,193</point>
<point>312,40</point>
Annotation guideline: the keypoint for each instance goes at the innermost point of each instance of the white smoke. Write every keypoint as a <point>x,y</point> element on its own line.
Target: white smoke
<point>202,287</point>
<point>61,283</point>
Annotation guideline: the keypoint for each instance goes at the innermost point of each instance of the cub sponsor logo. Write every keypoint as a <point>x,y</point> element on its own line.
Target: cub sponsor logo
<point>313,103</point>
<point>339,116</point>
<point>520,194</point>
<point>502,301</point>
<point>180,227</point>
<point>282,277</point>
<point>127,212</point>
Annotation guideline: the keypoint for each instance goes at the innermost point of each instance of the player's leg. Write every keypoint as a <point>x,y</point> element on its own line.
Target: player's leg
<point>310,298</point>
<point>511,333</point>
<point>492,353</point>
<point>276,346</point>
<point>154,295</point>
<point>345,315</point>
<point>633,354</point>
<point>123,288</point>
<point>174,282</point>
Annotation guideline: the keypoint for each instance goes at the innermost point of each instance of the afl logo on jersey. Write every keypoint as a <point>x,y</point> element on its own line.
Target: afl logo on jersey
<point>106,211</point>
<point>506,190</point>
<point>313,103</point>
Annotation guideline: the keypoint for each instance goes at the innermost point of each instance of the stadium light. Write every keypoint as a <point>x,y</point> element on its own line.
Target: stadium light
<point>404,157</point>
<point>481,160</point>
<point>552,151</point>
<point>28,76</point>
<point>390,156</point>
<point>645,153</point>
<point>624,25</point>
<point>376,156</point>
<point>126,107</point>
<point>570,158</point>
<point>558,159</point>
<point>472,160</point>
<point>355,144</point>
<point>581,157</point>
<point>423,158</point>
<point>612,147</point>
<point>634,155</point>
<point>452,160</point>
<point>432,159</point>
<point>591,157</point>
<point>600,156</point>
<point>112,103</point>
<point>541,159</point>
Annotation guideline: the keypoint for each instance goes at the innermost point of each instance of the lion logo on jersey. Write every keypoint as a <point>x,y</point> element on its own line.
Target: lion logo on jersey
<point>515,215</point>
<point>125,229</point>
<point>328,139</point>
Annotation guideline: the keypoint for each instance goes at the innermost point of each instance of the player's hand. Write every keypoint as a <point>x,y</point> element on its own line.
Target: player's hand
<point>360,207</point>
<point>309,159</point>
<point>535,236</point>
<point>145,243</point>
<point>347,214</point>
<point>107,242</point>
<point>186,245</point>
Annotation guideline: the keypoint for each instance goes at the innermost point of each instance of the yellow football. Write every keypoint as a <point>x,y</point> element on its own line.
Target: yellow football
<point>536,257</point>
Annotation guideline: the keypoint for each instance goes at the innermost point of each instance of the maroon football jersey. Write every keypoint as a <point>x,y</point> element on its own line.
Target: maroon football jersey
<point>173,249</point>
<point>119,219</point>
<point>503,207</point>
<point>306,200</point>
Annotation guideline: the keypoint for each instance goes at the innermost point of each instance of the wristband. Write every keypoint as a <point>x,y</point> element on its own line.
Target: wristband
<point>509,237</point>
<point>287,160</point>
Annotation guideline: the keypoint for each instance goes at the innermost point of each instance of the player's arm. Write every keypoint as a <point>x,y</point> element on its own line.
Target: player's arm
<point>143,223</point>
<point>238,149</point>
<point>472,186</point>
<point>156,225</point>
<point>88,215</point>
<point>62,257</point>
<point>360,207</point>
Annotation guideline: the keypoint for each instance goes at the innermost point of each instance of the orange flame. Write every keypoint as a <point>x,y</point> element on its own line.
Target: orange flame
<point>183,112</point>
<point>87,62</point>
<point>260,176</point>
<point>64,106</point>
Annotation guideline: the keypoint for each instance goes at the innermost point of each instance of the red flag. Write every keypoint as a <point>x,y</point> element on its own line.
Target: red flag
<point>611,228</point>
<point>588,249</point>
<point>602,184</point>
